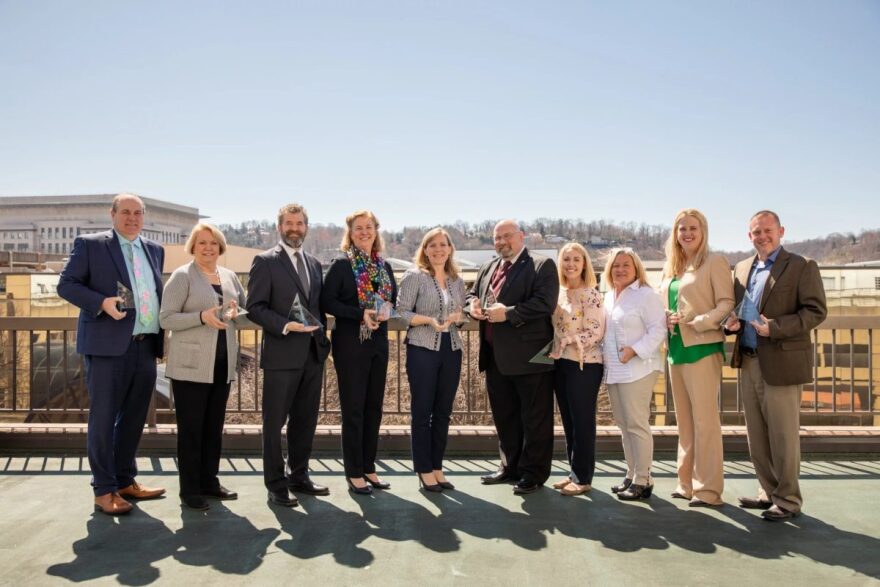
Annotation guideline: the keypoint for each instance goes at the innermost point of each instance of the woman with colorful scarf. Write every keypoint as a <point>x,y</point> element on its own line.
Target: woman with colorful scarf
<point>358,284</point>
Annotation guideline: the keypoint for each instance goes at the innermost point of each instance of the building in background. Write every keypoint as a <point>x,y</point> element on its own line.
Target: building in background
<point>49,224</point>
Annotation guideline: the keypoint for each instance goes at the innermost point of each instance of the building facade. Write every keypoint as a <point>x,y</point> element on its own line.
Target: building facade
<point>49,224</point>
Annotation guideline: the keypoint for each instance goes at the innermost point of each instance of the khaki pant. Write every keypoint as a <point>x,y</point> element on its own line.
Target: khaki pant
<point>772,422</point>
<point>631,405</point>
<point>695,388</point>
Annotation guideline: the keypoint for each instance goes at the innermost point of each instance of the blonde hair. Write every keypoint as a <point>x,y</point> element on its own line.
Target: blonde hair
<point>676,260</point>
<point>613,254</point>
<point>190,245</point>
<point>421,256</point>
<point>588,276</point>
<point>346,244</point>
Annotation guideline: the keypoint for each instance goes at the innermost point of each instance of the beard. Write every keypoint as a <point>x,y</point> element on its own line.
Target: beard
<point>293,238</point>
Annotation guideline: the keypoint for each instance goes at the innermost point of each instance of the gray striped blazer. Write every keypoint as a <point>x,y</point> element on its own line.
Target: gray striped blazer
<point>419,293</point>
<point>192,346</point>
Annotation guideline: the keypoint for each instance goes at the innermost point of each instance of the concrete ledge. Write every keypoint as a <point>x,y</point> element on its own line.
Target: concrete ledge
<point>244,438</point>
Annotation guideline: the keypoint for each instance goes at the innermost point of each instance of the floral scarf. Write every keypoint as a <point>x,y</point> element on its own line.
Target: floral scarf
<point>368,269</point>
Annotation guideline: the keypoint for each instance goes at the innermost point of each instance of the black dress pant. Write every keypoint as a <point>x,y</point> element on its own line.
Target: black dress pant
<point>201,411</point>
<point>361,368</point>
<point>433,380</point>
<point>292,396</point>
<point>522,407</point>
<point>576,394</point>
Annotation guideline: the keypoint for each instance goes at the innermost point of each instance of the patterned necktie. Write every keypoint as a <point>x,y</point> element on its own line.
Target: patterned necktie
<point>142,291</point>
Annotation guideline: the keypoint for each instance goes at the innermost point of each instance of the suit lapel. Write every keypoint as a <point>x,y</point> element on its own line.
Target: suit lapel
<point>114,247</point>
<point>487,279</point>
<point>288,265</point>
<point>157,275</point>
<point>514,271</point>
<point>775,271</point>
<point>314,269</point>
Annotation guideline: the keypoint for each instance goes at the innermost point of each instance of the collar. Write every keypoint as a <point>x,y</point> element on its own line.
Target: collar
<point>771,258</point>
<point>515,257</point>
<point>290,250</point>
<point>135,243</point>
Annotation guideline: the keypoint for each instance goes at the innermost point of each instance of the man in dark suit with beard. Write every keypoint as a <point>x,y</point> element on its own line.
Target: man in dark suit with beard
<point>292,356</point>
<point>780,299</point>
<point>514,297</point>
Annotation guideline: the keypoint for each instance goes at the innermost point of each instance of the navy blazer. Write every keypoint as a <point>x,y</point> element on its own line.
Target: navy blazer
<point>272,285</point>
<point>95,265</point>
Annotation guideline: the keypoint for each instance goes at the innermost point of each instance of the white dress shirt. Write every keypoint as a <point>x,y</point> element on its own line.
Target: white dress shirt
<point>635,319</point>
<point>292,253</point>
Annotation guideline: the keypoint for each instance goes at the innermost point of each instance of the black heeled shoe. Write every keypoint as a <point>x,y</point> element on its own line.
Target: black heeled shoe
<point>365,490</point>
<point>435,488</point>
<point>621,486</point>
<point>635,491</point>
<point>377,484</point>
<point>446,485</point>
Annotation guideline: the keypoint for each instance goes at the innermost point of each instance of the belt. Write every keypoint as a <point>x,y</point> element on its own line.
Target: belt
<point>748,351</point>
<point>140,337</point>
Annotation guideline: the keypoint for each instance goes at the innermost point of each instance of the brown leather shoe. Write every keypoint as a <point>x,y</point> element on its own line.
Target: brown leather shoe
<point>111,504</point>
<point>138,491</point>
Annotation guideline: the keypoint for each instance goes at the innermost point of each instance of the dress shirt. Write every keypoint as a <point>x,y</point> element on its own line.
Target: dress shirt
<point>292,253</point>
<point>137,249</point>
<point>757,280</point>
<point>635,319</point>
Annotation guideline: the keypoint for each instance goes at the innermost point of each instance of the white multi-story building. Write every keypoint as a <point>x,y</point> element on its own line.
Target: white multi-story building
<point>49,224</point>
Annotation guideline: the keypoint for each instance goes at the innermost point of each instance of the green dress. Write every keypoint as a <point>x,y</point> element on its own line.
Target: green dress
<point>678,353</point>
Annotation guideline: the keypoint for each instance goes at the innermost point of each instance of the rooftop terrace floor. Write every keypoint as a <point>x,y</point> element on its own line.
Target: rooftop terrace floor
<point>475,535</point>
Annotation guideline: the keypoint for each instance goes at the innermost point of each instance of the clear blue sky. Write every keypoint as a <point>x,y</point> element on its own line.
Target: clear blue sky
<point>432,111</point>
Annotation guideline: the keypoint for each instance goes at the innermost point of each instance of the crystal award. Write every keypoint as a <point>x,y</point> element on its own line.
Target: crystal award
<point>127,296</point>
<point>543,356</point>
<point>299,313</point>
<point>384,310</point>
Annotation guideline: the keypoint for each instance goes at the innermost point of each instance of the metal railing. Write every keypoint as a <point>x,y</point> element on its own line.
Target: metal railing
<point>42,378</point>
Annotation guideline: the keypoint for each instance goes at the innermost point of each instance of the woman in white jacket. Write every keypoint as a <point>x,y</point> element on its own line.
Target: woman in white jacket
<point>635,327</point>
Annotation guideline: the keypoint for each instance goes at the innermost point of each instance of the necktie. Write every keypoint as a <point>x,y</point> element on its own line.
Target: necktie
<point>498,279</point>
<point>142,293</point>
<point>301,271</point>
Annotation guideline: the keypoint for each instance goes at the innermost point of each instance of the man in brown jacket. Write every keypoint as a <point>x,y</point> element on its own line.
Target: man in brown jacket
<point>780,299</point>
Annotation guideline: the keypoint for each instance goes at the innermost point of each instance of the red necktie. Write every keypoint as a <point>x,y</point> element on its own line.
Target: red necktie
<point>496,283</point>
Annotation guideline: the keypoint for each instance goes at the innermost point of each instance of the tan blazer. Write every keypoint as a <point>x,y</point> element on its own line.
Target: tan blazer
<point>794,304</point>
<point>708,293</point>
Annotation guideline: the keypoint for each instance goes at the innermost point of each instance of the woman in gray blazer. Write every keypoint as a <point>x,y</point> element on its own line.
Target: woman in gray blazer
<point>200,306</point>
<point>431,299</point>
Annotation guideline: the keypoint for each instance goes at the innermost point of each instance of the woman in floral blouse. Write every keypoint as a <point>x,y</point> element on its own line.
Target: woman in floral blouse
<point>579,325</point>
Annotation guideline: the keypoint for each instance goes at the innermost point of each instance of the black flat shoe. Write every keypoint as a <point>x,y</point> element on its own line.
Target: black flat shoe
<point>365,490</point>
<point>634,492</point>
<point>195,502</point>
<point>377,484</point>
<point>777,514</point>
<point>622,485</point>
<point>753,503</point>
<point>221,493</point>
<point>434,488</point>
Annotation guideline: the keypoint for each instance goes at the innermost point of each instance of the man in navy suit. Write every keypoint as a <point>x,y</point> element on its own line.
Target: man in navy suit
<point>120,346</point>
<point>514,296</point>
<point>292,356</point>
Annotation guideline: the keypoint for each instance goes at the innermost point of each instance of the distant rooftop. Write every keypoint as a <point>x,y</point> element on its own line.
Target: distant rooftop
<point>90,200</point>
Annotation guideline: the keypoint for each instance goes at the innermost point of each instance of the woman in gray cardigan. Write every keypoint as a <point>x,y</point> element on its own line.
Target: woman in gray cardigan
<point>200,305</point>
<point>431,299</point>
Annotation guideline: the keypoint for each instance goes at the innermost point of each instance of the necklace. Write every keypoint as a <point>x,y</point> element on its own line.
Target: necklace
<point>216,272</point>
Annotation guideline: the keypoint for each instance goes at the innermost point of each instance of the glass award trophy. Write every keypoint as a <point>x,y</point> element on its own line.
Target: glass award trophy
<point>127,296</point>
<point>488,301</point>
<point>542,357</point>
<point>299,313</point>
<point>384,310</point>
<point>746,310</point>
<point>225,312</point>
<point>455,311</point>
